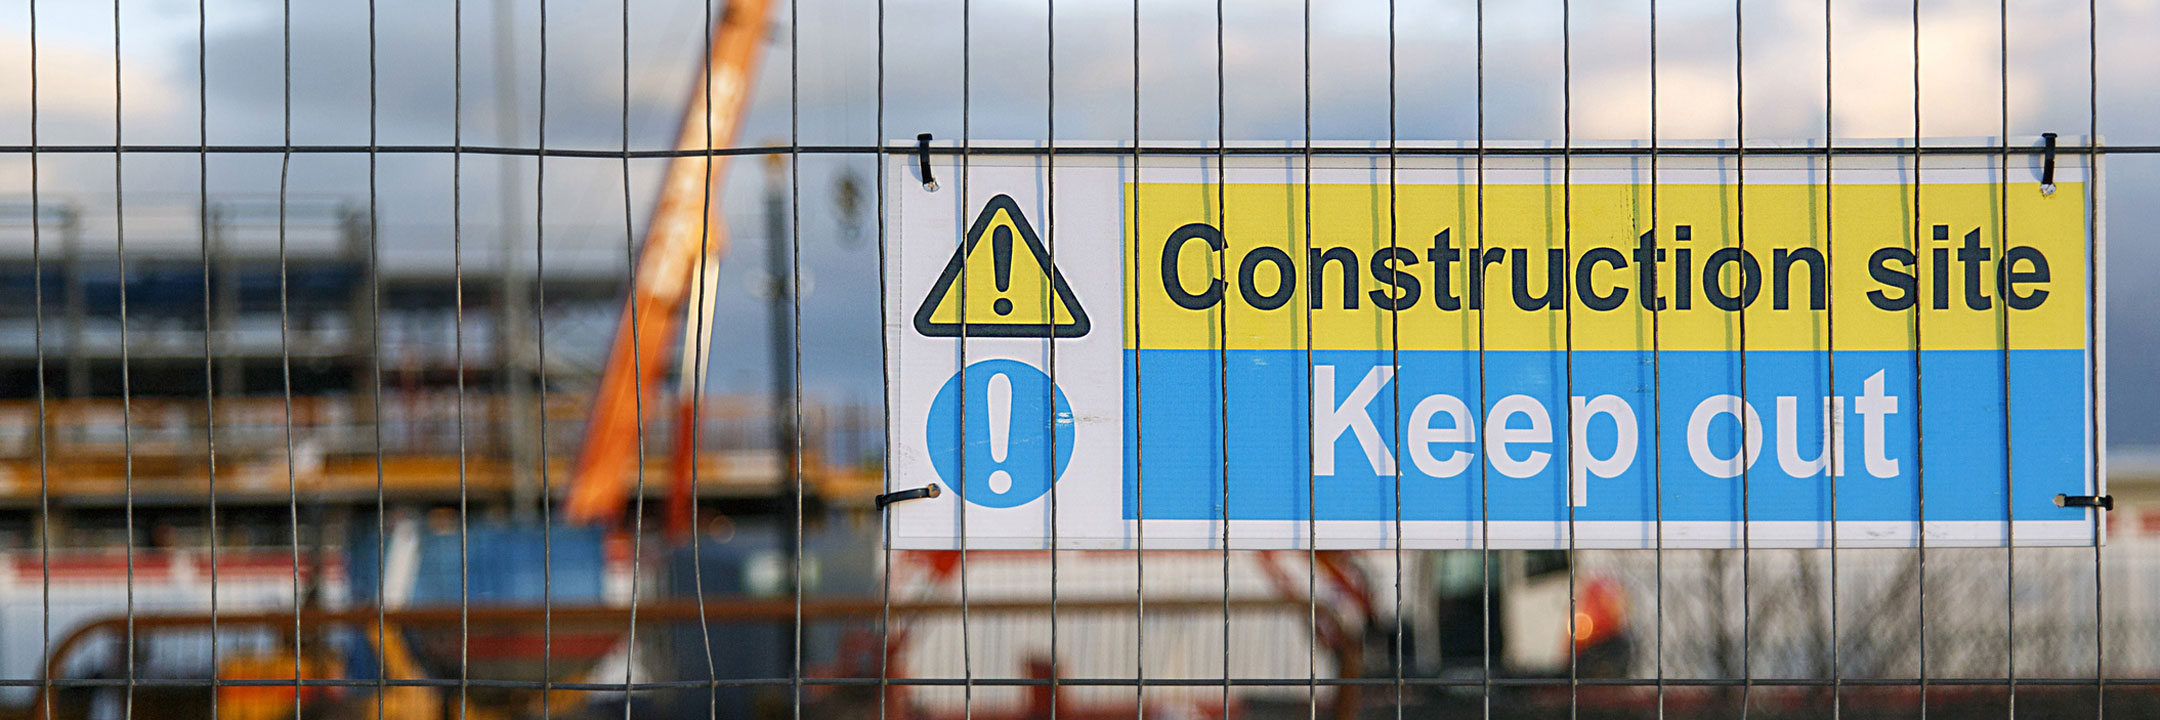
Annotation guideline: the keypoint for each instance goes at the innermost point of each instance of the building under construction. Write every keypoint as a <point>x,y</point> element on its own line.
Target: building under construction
<point>253,355</point>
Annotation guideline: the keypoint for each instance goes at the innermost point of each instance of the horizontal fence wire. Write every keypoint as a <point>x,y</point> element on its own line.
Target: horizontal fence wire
<point>1196,150</point>
<point>992,681</point>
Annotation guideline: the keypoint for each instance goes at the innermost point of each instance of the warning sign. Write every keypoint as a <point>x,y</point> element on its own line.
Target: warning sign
<point>1516,352</point>
<point>1007,287</point>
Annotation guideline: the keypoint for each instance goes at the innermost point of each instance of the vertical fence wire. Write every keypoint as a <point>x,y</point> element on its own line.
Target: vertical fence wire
<point>885,385</point>
<point>2096,457</point>
<point>1747,533</point>
<point>1657,388</point>
<point>693,381</point>
<point>1222,321</point>
<point>2002,244</point>
<point>637,379</point>
<point>1139,422</point>
<point>1919,226</point>
<point>793,452</point>
<point>44,429</point>
<point>1477,302</point>
<point>202,229</point>
<point>1567,245</point>
<point>791,365</point>
<point>1049,298</point>
<point>457,254</point>
<point>127,403</point>
<point>967,139</point>
<point>1312,506</point>
<point>1394,361</point>
<point>1829,156</point>
<point>375,382</point>
<point>292,480</point>
<point>547,487</point>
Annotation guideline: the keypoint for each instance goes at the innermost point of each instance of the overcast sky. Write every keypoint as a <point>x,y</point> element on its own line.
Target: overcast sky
<point>1004,95</point>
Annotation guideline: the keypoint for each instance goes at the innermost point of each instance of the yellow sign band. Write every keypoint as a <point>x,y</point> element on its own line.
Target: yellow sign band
<point>1604,279</point>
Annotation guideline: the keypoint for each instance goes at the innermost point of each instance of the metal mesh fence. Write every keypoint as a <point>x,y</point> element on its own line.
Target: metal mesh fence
<point>305,310</point>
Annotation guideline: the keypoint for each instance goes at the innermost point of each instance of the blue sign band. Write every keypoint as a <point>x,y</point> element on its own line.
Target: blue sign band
<point>1686,430</point>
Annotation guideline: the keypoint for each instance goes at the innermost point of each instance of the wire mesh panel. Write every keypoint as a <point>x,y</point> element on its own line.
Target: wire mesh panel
<point>1027,359</point>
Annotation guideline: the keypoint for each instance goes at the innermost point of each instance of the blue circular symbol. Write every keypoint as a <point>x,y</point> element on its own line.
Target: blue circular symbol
<point>1015,419</point>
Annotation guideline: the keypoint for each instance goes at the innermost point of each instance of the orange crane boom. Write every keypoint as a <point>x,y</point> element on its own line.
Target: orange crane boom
<point>686,226</point>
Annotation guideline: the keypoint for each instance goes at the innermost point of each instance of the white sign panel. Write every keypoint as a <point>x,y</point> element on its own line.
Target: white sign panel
<point>1198,356</point>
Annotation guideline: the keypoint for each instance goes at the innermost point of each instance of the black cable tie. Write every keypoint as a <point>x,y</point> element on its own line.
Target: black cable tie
<point>2104,502</point>
<point>2047,166</point>
<point>927,491</point>
<point>929,181</point>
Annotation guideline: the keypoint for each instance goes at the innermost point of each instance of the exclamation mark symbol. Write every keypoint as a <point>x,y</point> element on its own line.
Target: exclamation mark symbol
<point>1001,251</point>
<point>1000,425</point>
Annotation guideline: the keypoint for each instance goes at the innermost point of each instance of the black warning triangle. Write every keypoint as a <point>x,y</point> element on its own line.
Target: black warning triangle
<point>1006,294</point>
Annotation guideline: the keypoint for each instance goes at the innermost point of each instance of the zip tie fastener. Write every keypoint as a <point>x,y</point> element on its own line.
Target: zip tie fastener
<point>927,491</point>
